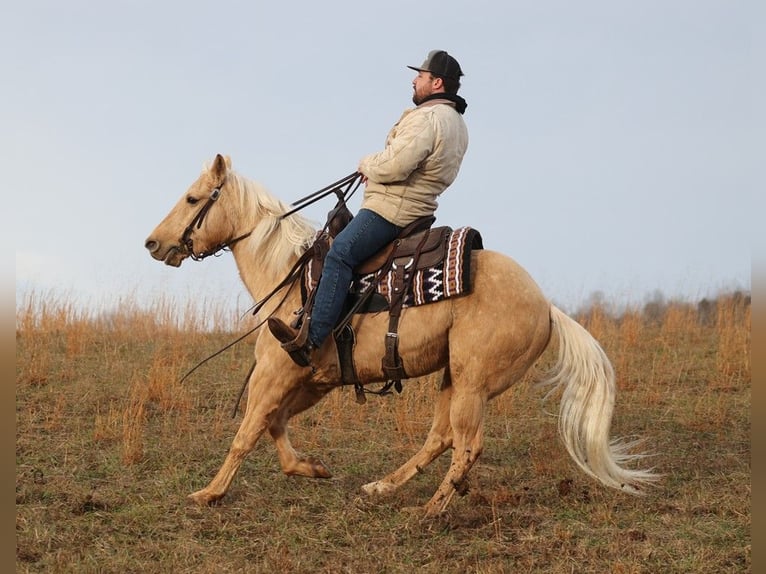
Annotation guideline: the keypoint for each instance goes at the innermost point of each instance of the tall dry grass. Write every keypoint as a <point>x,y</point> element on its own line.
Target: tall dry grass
<point>99,402</point>
<point>653,352</point>
<point>59,337</point>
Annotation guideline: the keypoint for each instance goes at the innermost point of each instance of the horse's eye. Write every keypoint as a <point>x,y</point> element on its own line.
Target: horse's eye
<point>191,200</point>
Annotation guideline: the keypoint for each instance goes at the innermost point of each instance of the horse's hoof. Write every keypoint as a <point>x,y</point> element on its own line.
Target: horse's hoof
<point>200,498</point>
<point>319,468</point>
<point>436,508</point>
<point>378,488</point>
<point>370,489</point>
<point>309,467</point>
<point>422,513</point>
<point>428,513</point>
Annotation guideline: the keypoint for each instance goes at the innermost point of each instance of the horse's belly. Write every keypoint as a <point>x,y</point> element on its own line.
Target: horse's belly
<point>423,341</point>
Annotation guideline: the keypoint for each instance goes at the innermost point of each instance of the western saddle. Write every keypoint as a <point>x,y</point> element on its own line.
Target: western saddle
<point>418,246</point>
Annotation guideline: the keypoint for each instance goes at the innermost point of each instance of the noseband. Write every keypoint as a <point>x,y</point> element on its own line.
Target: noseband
<point>196,223</point>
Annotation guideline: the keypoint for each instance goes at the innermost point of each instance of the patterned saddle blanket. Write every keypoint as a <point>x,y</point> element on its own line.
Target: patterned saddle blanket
<point>441,271</point>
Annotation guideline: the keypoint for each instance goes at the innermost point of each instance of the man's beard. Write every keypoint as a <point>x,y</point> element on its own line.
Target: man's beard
<point>417,98</point>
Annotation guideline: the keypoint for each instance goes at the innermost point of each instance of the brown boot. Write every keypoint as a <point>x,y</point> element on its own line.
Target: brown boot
<point>295,342</point>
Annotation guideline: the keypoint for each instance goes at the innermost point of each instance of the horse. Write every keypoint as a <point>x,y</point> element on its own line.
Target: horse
<point>482,342</point>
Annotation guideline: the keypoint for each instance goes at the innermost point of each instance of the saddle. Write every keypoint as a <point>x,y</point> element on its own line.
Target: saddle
<point>408,245</point>
<point>418,247</point>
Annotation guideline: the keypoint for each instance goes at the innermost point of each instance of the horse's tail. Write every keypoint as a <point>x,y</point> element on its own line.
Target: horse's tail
<point>587,402</point>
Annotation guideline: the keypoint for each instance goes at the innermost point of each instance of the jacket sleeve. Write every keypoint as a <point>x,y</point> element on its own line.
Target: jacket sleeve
<point>412,142</point>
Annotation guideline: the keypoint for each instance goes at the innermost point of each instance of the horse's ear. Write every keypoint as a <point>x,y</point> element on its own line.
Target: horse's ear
<point>221,165</point>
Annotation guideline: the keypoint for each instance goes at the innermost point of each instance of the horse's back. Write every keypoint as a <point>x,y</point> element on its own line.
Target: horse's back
<point>510,287</point>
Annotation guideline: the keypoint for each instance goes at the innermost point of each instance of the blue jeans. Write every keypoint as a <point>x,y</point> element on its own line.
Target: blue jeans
<point>366,234</point>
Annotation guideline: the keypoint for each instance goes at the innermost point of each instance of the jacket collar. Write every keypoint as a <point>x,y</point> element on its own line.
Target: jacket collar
<point>453,99</point>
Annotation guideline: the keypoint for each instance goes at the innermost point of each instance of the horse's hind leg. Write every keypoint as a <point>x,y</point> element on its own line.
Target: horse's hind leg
<point>438,440</point>
<point>467,419</point>
<point>293,463</point>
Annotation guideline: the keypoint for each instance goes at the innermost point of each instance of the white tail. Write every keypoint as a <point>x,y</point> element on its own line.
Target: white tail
<point>587,402</point>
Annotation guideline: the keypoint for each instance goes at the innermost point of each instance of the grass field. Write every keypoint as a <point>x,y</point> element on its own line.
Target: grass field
<point>109,444</point>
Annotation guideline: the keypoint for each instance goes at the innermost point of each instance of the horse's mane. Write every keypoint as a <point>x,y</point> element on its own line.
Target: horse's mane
<point>277,241</point>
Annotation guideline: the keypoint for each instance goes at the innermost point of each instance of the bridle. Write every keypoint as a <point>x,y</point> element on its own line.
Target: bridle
<point>196,222</point>
<point>351,182</point>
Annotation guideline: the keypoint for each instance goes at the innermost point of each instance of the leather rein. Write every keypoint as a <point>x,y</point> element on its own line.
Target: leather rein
<point>199,217</point>
<point>343,188</point>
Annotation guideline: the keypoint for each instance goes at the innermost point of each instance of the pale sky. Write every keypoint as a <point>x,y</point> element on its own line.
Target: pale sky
<point>615,147</point>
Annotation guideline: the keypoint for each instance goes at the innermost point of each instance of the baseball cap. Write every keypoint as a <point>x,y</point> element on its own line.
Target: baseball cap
<point>440,63</point>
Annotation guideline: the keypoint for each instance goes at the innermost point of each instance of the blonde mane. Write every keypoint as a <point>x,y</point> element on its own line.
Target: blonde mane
<point>274,242</point>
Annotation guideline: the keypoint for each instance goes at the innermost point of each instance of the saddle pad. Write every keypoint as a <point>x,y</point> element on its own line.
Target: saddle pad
<point>448,278</point>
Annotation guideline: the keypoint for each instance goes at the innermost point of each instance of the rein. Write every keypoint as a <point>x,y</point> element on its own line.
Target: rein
<point>295,271</point>
<point>336,188</point>
<point>199,217</point>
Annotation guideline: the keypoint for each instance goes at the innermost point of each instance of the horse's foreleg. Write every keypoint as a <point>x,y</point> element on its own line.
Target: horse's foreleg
<point>251,429</point>
<point>293,463</point>
<point>438,440</point>
<point>467,419</point>
<point>263,401</point>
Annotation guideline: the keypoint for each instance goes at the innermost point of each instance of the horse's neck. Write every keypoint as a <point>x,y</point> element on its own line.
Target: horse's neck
<point>273,246</point>
<point>261,273</point>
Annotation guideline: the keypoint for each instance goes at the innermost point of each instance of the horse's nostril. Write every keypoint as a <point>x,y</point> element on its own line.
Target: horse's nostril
<point>151,245</point>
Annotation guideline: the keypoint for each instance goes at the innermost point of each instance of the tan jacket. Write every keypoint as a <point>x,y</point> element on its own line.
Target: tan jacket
<point>421,159</point>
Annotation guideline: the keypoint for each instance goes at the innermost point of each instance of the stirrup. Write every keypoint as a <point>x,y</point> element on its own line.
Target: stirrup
<point>297,344</point>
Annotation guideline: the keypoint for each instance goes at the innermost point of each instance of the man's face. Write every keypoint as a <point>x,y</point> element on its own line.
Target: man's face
<point>424,85</point>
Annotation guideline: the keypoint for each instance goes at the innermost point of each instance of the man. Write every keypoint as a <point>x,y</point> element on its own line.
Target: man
<point>421,158</point>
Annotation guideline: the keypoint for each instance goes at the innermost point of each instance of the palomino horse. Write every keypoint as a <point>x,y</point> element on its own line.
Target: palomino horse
<point>484,342</point>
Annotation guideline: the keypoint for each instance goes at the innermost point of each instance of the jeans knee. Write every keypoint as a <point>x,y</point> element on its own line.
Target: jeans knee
<point>337,257</point>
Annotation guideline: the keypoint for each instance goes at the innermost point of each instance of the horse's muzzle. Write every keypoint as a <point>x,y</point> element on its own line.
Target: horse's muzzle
<point>172,256</point>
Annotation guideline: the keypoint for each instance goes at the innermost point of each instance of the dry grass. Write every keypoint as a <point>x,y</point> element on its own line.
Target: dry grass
<point>108,445</point>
